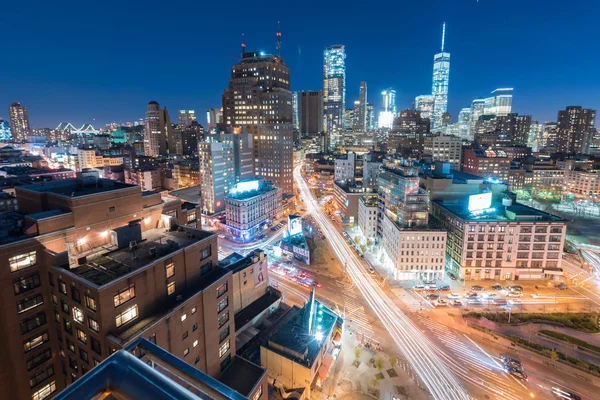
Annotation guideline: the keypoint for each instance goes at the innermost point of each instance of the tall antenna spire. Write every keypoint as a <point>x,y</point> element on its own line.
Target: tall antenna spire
<point>443,35</point>
<point>243,45</point>
<point>278,40</point>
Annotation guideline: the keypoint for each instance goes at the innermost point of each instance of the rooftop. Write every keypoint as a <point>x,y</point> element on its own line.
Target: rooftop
<point>156,243</point>
<point>191,194</point>
<point>242,376</point>
<point>498,212</point>
<point>249,312</point>
<point>250,188</point>
<point>77,187</point>
<point>236,262</point>
<point>370,201</point>
<point>11,227</point>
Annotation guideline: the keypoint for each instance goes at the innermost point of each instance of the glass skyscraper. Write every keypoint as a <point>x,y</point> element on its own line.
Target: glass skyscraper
<point>334,92</point>
<point>439,88</point>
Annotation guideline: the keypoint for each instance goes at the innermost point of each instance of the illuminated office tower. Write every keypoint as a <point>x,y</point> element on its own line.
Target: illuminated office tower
<point>439,87</point>
<point>386,117</point>
<point>424,104</point>
<point>259,100</point>
<point>515,126</point>
<point>214,116</point>
<point>5,133</point>
<point>334,92</point>
<point>311,112</point>
<point>360,110</point>
<point>536,132</point>
<point>549,135</point>
<point>500,103</point>
<point>477,110</point>
<point>295,111</point>
<point>464,124</point>
<point>370,117</point>
<point>186,117</point>
<point>575,129</point>
<point>158,130</point>
<point>19,122</point>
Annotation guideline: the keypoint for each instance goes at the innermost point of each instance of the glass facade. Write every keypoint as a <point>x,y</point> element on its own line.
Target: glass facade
<point>334,92</point>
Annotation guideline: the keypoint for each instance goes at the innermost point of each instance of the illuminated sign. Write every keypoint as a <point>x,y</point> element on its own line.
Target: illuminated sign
<point>246,186</point>
<point>295,225</point>
<point>480,201</point>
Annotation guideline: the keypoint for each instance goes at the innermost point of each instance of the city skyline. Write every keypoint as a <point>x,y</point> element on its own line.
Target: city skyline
<point>111,88</point>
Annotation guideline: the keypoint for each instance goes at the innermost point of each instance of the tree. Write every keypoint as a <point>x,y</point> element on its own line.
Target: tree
<point>379,364</point>
<point>393,361</point>
<point>374,382</point>
<point>553,355</point>
<point>356,239</point>
<point>404,391</point>
<point>357,352</point>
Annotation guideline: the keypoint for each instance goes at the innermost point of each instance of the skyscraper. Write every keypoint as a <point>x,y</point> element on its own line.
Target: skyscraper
<point>214,116</point>
<point>515,126</point>
<point>360,110</point>
<point>259,99</point>
<point>424,104</point>
<point>295,111</point>
<point>158,131</point>
<point>5,133</point>
<point>370,117</point>
<point>388,104</point>
<point>334,92</point>
<point>500,103</point>
<point>311,112</point>
<point>439,87</point>
<point>575,129</point>
<point>464,124</point>
<point>19,122</point>
<point>408,134</point>
<point>186,117</point>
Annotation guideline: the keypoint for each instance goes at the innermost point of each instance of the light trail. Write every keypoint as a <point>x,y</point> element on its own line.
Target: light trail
<point>421,353</point>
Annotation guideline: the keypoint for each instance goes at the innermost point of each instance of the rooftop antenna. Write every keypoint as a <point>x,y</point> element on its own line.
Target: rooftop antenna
<point>243,45</point>
<point>278,40</point>
<point>443,35</point>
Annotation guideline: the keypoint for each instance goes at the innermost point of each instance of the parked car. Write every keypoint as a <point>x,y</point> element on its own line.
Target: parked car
<point>472,296</point>
<point>419,287</point>
<point>443,287</point>
<point>497,287</point>
<point>477,288</point>
<point>370,269</point>
<point>454,296</point>
<point>429,282</point>
<point>515,288</point>
<point>561,286</point>
<point>452,276</point>
<point>456,303</point>
<point>491,295</point>
<point>515,294</point>
<point>500,302</point>
<point>432,296</point>
<point>440,303</point>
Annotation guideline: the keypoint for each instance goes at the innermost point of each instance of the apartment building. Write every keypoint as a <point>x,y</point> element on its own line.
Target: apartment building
<point>345,167</point>
<point>93,264</point>
<point>367,216</point>
<point>444,148</point>
<point>584,184</point>
<point>486,163</point>
<point>346,196</point>
<point>500,240</point>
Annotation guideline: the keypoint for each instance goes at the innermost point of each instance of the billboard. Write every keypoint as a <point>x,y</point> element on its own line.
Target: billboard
<point>260,269</point>
<point>480,201</point>
<point>294,225</point>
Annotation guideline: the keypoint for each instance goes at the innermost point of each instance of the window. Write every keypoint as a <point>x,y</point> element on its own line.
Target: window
<point>205,253</point>
<point>126,316</point>
<point>54,299</point>
<point>170,268</point>
<point>95,345</point>
<point>39,359</point>
<point>67,326</point>
<point>26,283</point>
<point>33,322</point>
<point>93,324</point>
<point>224,349</point>
<point>90,303</point>
<point>194,327</point>
<point>41,376</point>
<point>75,294</point>
<point>64,306</point>
<point>221,290</point>
<point>225,362</point>
<point>44,392</point>
<point>22,261</point>
<point>83,355</point>
<point>186,351</point>
<point>78,314</point>
<point>62,287</point>
<point>223,303</point>
<point>195,343</point>
<point>35,342</point>
<point>170,288</point>
<point>73,365</point>
<point>111,209</point>
<point>197,360</point>
<point>29,303</point>
<point>124,295</point>
<point>70,346</point>
<point>183,317</point>
<point>224,334</point>
<point>193,310</point>
<point>206,268</point>
<point>258,393</point>
<point>81,336</point>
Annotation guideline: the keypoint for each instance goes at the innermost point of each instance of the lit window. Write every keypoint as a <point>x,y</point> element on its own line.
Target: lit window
<point>45,391</point>
<point>183,317</point>
<point>195,343</point>
<point>90,303</point>
<point>170,288</point>
<point>193,310</point>
<point>223,303</point>
<point>124,295</point>
<point>77,314</point>
<point>93,324</point>
<point>82,336</point>
<point>224,349</point>
<point>126,316</point>
<point>35,342</point>
<point>170,268</point>
<point>22,261</point>
<point>186,351</point>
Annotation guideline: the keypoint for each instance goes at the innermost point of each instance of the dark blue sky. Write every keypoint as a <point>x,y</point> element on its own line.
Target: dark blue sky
<point>78,60</point>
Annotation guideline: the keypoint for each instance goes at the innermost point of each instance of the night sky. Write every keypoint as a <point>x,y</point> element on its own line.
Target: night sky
<point>74,61</point>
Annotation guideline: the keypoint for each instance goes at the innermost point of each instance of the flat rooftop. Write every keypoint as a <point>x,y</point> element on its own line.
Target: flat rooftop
<point>191,194</point>
<point>114,264</point>
<point>11,227</point>
<point>76,187</point>
<point>236,262</point>
<point>498,212</point>
<point>370,201</point>
<point>242,376</point>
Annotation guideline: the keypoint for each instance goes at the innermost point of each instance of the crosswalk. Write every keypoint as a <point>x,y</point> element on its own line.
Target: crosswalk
<point>471,362</point>
<point>412,302</point>
<point>355,312</point>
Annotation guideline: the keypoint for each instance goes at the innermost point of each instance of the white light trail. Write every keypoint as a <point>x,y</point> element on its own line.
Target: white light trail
<point>421,353</point>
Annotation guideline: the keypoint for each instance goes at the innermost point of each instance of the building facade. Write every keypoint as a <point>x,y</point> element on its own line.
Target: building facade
<point>444,148</point>
<point>334,92</point>
<point>575,129</point>
<point>367,217</point>
<point>486,163</point>
<point>186,117</point>
<point>439,87</point>
<point>345,167</point>
<point>311,112</point>
<point>19,122</point>
<point>158,131</point>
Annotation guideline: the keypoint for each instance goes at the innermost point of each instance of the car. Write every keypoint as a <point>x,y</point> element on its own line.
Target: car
<point>561,286</point>
<point>513,362</point>
<point>440,303</point>
<point>491,295</point>
<point>472,296</point>
<point>452,276</point>
<point>222,236</point>
<point>370,269</point>
<point>456,303</point>
<point>516,372</point>
<point>515,294</point>
<point>432,296</point>
<point>563,394</point>
<point>477,288</point>
<point>418,287</point>
<point>497,287</point>
<point>454,296</point>
<point>443,287</point>
<point>515,288</point>
<point>500,302</point>
<point>430,287</point>
<point>317,284</point>
<point>429,282</point>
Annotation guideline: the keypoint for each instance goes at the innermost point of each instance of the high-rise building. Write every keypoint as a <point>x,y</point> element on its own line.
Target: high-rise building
<point>500,103</point>
<point>464,124</point>
<point>477,110</point>
<point>158,132</point>
<point>370,118</point>
<point>575,129</point>
<point>19,122</point>
<point>536,133</point>
<point>259,99</point>
<point>550,135</point>
<point>5,131</point>
<point>388,101</point>
<point>439,87</point>
<point>424,104</point>
<point>360,110</point>
<point>214,116</point>
<point>295,111</point>
<point>186,117</point>
<point>334,92</point>
<point>311,112</point>
<point>515,126</point>
<point>408,133</point>
<point>444,148</point>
